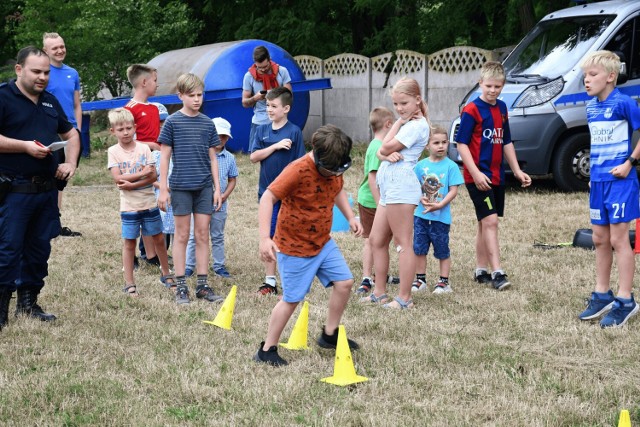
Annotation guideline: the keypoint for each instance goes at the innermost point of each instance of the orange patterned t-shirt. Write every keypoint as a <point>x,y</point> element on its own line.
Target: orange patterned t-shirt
<point>306,214</point>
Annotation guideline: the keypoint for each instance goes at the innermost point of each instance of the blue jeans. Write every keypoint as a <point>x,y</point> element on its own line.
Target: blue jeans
<point>216,230</point>
<point>28,222</point>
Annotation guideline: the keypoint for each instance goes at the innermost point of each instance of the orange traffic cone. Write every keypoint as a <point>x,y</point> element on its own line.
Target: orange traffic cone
<point>225,315</point>
<point>344,372</point>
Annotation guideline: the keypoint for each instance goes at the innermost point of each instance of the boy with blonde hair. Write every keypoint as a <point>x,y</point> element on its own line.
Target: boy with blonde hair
<point>483,139</point>
<point>302,242</point>
<point>380,119</point>
<point>189,138</point>
<point>133,170</point>
<point>613,199</point>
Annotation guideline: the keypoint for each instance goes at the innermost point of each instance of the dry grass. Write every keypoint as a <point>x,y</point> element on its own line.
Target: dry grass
<point>474,357</point>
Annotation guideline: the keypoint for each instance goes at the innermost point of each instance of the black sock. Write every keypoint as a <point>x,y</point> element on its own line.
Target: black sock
<point>202,280</point>
<point>422,277</point>
<point>444,280</point>
<point>181,281</point>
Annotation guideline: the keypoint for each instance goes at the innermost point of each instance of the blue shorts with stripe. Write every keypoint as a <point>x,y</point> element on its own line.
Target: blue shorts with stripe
<point>614,202</point>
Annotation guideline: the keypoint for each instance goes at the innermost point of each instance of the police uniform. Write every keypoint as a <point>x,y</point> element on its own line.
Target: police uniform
<point>29,215</point>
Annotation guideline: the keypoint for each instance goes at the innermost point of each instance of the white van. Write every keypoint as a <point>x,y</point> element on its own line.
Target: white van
<point>545,91</point>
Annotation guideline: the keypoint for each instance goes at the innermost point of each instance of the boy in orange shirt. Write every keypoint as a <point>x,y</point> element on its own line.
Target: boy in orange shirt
<point>308,189</point>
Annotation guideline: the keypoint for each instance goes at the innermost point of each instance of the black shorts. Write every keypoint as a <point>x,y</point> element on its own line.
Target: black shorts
<point>487,202</point>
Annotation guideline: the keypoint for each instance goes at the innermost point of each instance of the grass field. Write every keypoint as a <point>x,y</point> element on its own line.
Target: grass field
<point>472,358</point>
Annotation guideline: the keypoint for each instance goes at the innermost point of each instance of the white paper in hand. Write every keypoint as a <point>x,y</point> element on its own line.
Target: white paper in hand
<point>55,146</point>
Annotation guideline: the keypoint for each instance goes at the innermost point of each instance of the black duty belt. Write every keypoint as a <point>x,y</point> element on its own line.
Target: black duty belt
<point>32,185</point>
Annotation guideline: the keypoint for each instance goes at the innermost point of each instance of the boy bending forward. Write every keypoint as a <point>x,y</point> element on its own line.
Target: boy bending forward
<point>308,188</point>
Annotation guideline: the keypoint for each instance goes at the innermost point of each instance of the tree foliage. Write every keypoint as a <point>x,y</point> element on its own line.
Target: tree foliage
<point>103,38</point>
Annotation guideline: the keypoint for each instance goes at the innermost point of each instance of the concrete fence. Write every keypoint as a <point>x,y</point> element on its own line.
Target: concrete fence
<point>361,83</point>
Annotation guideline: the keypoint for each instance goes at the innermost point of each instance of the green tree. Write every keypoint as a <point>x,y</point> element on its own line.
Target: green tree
<point>104,38</point>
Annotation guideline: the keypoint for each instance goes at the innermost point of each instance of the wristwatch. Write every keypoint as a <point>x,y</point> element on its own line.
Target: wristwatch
<point>633,161</point>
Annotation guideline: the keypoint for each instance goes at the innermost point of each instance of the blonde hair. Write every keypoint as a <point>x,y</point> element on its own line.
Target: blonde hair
<point>50,36</point>
<point>492,70</point>
<point>602,58</point>
<point>120,115</point>
<point>135,71</point>
<point>189,83</point>
<point>411,87</point>
<point>378,117</point>
<point>438,130</point>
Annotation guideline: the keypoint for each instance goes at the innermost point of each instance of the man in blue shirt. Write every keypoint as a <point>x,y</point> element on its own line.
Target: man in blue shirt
<point>30,119</point>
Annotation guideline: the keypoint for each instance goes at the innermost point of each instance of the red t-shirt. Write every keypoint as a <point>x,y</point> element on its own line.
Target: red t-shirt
<point>147,119</point>
<point>306,213</point>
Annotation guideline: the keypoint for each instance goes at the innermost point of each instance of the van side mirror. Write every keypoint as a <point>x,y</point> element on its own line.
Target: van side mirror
<point>623,75</point>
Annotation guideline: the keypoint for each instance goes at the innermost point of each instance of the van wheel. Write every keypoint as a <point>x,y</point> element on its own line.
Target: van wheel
<point>571,164</point>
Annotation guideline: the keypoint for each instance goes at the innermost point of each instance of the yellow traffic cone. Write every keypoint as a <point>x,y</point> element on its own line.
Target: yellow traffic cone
<point>625,420</point>
<point>225,315</point>
<point>344,372</point>
<point>298,338</point>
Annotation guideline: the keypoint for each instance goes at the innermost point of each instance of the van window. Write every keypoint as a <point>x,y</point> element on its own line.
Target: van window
<point>553,47</point>
<point>627,41</point>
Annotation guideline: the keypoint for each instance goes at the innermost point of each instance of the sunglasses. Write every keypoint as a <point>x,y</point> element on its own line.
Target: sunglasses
<point>325,171</point>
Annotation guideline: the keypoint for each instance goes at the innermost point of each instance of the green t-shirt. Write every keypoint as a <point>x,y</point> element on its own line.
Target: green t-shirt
<point>371,164</point>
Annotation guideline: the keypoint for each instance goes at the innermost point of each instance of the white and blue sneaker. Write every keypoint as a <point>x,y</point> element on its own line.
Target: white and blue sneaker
<point>597,306</point>
<point>620,313</point>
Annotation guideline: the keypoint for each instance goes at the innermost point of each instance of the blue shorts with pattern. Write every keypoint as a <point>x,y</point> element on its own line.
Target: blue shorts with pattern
<point>297,273</point>
<point>426,233</point>
<point>148,220</point>
<point>614,202</point>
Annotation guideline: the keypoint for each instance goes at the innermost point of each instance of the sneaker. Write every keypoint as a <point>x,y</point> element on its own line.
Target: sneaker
<point>331,341</point>
<point>393,280</point>
<point>153,261</point>
<point>483,278</point>
<point>270,357</point>
<point>67,232</point>
<point>619,314</point>
<point>500,282</point>
<point>418,285</point>
<point>365,287</point>
<point>442,288</point>
<point>222,272</point>
<point>182,295</point>
<point>188,272</point>
<point>267,289</point>
<point>205,292</point>
<point>597,307</point>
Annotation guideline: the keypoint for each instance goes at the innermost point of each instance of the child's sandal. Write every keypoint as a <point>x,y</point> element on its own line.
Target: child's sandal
<point>169,281</point>
<point>131,290</point>
<point>372,299</point>
<point>400,304</point>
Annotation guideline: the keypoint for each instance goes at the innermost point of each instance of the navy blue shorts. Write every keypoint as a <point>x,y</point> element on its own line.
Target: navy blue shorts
<point>274,218</point>
<point>426,233</point>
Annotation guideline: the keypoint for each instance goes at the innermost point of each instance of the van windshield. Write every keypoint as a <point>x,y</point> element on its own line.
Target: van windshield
<point>554,47</point>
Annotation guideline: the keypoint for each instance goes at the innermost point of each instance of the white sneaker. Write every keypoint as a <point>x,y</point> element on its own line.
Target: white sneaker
<point>418,286</point>
<point>441,288</point>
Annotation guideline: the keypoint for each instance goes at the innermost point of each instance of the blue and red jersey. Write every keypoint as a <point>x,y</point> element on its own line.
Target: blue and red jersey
<point>484,128</point>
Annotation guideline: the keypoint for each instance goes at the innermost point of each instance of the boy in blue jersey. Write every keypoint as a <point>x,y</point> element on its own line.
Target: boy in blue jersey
<point>613,199</point>
<point>439,178</point>
<point>275,145</point>
<point>188,138</point>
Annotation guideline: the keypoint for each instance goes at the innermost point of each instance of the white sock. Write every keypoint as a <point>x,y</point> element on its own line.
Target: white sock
<point>270,280</point>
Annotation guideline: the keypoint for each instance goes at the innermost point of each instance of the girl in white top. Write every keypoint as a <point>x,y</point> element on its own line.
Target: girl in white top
<point>399,192</point>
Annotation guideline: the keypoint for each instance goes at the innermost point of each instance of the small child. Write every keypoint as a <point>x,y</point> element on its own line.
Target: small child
<point>613,199</point>
<point>228,172</point>
<point>439,177</point>
<point>188,137</point>
<point>380,119</point>
<point>308,189</point>
<point>275,145</point>
<point>133,171</point>
<point>483,138</point>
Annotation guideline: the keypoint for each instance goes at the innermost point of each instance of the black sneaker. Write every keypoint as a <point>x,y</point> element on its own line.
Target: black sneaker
<point>182,295</point>
<point>206,293</point>
<point>331,341</point>
<point>136,263</point>
<point>153,261</point>
<point>500,282</point>
<point>270,357</point>
<point>482,278</point>
<point>267,289</point>
<point>365,287</point>
<point>67,232</point>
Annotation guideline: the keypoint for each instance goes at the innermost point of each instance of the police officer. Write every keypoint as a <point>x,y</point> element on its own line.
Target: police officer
<point>30,119</point>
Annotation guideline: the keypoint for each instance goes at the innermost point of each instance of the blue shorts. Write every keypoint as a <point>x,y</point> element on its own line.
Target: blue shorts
<point>426,233</point>
<point>614,202</point>
<point>297,273</point>
<point>186,202</point>
<point>398,185</point>
<point>149,220</point>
